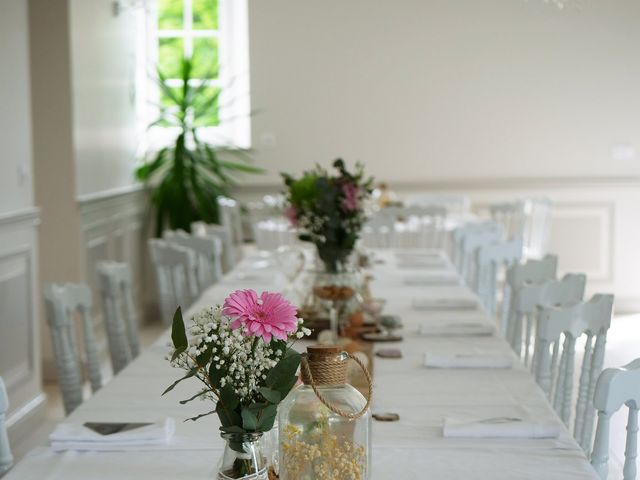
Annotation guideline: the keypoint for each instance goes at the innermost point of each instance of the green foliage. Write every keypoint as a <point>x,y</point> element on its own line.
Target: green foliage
<point>205,14</point>
<point>186,178</point>
<point>329,209</point>
<point>236,415</point>
<point>170,14</point>
<point>178,334</point>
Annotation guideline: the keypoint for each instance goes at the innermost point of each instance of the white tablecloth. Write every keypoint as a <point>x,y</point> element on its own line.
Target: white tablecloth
<point>412,448</point>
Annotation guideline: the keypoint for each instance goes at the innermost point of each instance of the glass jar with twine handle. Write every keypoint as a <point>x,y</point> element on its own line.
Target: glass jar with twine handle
<point>327,420</point>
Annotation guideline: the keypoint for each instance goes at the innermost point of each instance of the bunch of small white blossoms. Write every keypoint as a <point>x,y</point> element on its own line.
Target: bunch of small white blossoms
<point>240,354</point>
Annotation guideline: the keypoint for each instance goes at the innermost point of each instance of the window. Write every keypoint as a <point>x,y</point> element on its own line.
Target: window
<point>215,34</point>
<point>189,28</point>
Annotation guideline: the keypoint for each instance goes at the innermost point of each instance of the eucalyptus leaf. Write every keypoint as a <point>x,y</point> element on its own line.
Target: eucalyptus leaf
<point>268,417</point>
<point>285,369</point>
<point>189,374</point>
<point>197,417</point>
<point>228,417</point>
<point>197,395</point>
<point>178,334</point>
<point>249,420</point>
<point>228,397</point>
<point>284,387</point>
<point>270,395</point>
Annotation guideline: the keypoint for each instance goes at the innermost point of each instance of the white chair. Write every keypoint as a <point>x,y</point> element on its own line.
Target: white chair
<point>490,260</point>
<point>457,204</point>
<point>554,369</point>
<point>528,298</point>
<point>511,215</point>
<point>230,254</point>
<point>431,224</point>
<point>175,268</point>
<point>467,238</point>
<point>208,251</point>
<point>617,387</point>
<point>120,315</point>
<point>231,217</point>
<point>6,459</point>
<point>378,231</point>
<point>520,274</point>
<point>62,302</point>
<point>537,228</point>
<point>270,234</point>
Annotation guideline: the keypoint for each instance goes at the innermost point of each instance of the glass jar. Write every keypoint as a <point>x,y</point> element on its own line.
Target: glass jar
<point>335,292</point>
<point>325,423</point>
<point>243,457</point>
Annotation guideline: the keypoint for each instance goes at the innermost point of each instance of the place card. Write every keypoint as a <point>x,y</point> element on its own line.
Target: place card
<point>386,417</point>
<point>389,353</point>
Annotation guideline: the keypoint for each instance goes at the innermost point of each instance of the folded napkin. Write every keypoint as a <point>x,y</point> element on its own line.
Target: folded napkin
<point>467,360</point>
<point>422,262</point>
<point>499,427</point>
<point>411,254</point>
<point>444,303</point>
<point>457,329</point>
<point>434,279</point>
<point>71,436</point>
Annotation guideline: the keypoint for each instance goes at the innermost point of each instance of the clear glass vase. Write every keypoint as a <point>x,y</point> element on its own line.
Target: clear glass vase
<point>243,457</point>
<point>325,424</point>
<point>335,293</point>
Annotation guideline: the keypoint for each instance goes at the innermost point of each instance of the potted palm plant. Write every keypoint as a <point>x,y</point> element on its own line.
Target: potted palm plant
<point>186,178</point>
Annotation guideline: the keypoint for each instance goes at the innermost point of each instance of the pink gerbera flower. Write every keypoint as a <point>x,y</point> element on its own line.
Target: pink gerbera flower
<point>350,200</point>
<point>266,316</point>
<point>292,215</point>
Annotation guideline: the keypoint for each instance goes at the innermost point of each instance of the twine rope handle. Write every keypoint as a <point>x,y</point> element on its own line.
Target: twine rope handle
<point>325,402</point>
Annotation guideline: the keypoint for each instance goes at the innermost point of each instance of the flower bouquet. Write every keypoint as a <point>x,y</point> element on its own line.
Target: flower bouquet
<point>241,353</point>
<point>329,210</point>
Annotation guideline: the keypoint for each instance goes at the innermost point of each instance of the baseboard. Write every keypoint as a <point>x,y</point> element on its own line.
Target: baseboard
<point>24,420</point>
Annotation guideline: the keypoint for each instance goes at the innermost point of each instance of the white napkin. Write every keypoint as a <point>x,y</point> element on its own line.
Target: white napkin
<point>455,329</point>
<point>433,279</point>
<point>467,360</point>
<point>444,303</point>
<point>421,262</point>
<point>499,427</point>
<point>71,436</point>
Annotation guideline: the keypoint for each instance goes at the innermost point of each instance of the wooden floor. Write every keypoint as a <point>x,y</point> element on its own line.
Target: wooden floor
<point>623,345</point>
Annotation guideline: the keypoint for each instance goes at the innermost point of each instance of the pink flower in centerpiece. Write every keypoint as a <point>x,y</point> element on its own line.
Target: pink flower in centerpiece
<point>292,215</point>
<point>350,200</point>
<point>266,316</point>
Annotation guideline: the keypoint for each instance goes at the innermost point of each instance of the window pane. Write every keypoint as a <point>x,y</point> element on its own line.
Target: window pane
<point>170,104</point>
<point>170,56</point>
<point>205,57</point>
<point>205,14</point>
<point>170,14</point>
<point>206,107</point>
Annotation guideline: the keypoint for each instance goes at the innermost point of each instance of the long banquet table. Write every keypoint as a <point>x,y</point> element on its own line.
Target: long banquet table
<point>412,448</point>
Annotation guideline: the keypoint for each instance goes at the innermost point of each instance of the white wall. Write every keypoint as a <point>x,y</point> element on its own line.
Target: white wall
<point>426,90</point>
<point>495,99</point>
<point>15,122</point>
<point>19,332</point>
<point>103,67</point>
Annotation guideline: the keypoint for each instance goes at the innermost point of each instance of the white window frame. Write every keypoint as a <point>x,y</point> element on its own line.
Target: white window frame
<point>234,101</point>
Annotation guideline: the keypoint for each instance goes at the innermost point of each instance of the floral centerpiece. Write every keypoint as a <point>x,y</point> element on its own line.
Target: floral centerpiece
<point>241,353</point>
<point>329,209</point>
